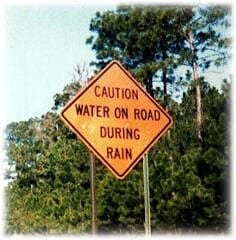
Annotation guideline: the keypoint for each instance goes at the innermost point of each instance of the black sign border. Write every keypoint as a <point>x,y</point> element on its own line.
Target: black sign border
<point>90,146</point>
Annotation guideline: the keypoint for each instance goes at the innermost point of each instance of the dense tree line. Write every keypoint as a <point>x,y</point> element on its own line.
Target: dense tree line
<point>48,173</point>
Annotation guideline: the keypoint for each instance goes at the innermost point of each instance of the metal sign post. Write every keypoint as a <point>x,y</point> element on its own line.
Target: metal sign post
<point>93,192</point>
<point>146,195</point>
<point>113,116</point>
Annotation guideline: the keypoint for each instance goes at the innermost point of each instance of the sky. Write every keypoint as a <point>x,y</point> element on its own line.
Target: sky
<point>43,44</point>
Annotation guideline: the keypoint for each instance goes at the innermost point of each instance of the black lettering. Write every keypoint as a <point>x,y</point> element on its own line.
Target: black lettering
<point>136,114</point>
<point>150,116</point>
<point>99,109</point>
<point>157,115</point>
<point>106,111</point>
<point>143,114</point>
<point>102,132</point>
<point>116,92</point>
<point>135,94</point>
<point>96,91</point>
<point>117,112</point>
<point>109,153</point>
<point>104,92</point>
<point>128,133</point>
<point>86,111</point>
<point>92,110</point>
<point>119,153</point>
<point>136,134</point>
<point>127,93</point>
<point>119,133</point>
<point>121,113</point>
<point>116,154</point>
<point>128,153</point>
<point>124,113</point>
<point>79,109</point>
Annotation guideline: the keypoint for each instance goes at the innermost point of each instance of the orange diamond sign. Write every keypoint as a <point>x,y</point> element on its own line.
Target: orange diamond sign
<point>116,118</point>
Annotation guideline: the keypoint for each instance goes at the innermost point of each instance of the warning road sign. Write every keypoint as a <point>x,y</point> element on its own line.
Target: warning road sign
<point>116,118</point>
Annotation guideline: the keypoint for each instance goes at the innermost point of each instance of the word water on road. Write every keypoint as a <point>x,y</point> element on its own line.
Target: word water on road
<point>116,118</point>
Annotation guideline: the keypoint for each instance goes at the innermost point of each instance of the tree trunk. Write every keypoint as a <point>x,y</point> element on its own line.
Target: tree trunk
<point>150,86</point>
<point>164,80</point>
<point>197,89</point>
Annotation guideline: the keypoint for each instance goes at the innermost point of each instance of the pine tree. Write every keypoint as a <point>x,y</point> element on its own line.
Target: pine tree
<point>207,46</point>
<point>142,39</point>
<point>48,189</point>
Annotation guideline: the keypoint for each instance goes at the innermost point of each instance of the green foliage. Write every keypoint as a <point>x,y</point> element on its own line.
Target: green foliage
<point>152,41</point>
<point>49,188</point>
<point>211,46</point>
<point>120,203</point>
<point>189,183</point>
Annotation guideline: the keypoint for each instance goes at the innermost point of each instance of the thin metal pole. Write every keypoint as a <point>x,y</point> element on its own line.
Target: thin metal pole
<point>146,195</point>
<point>93,192</point>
